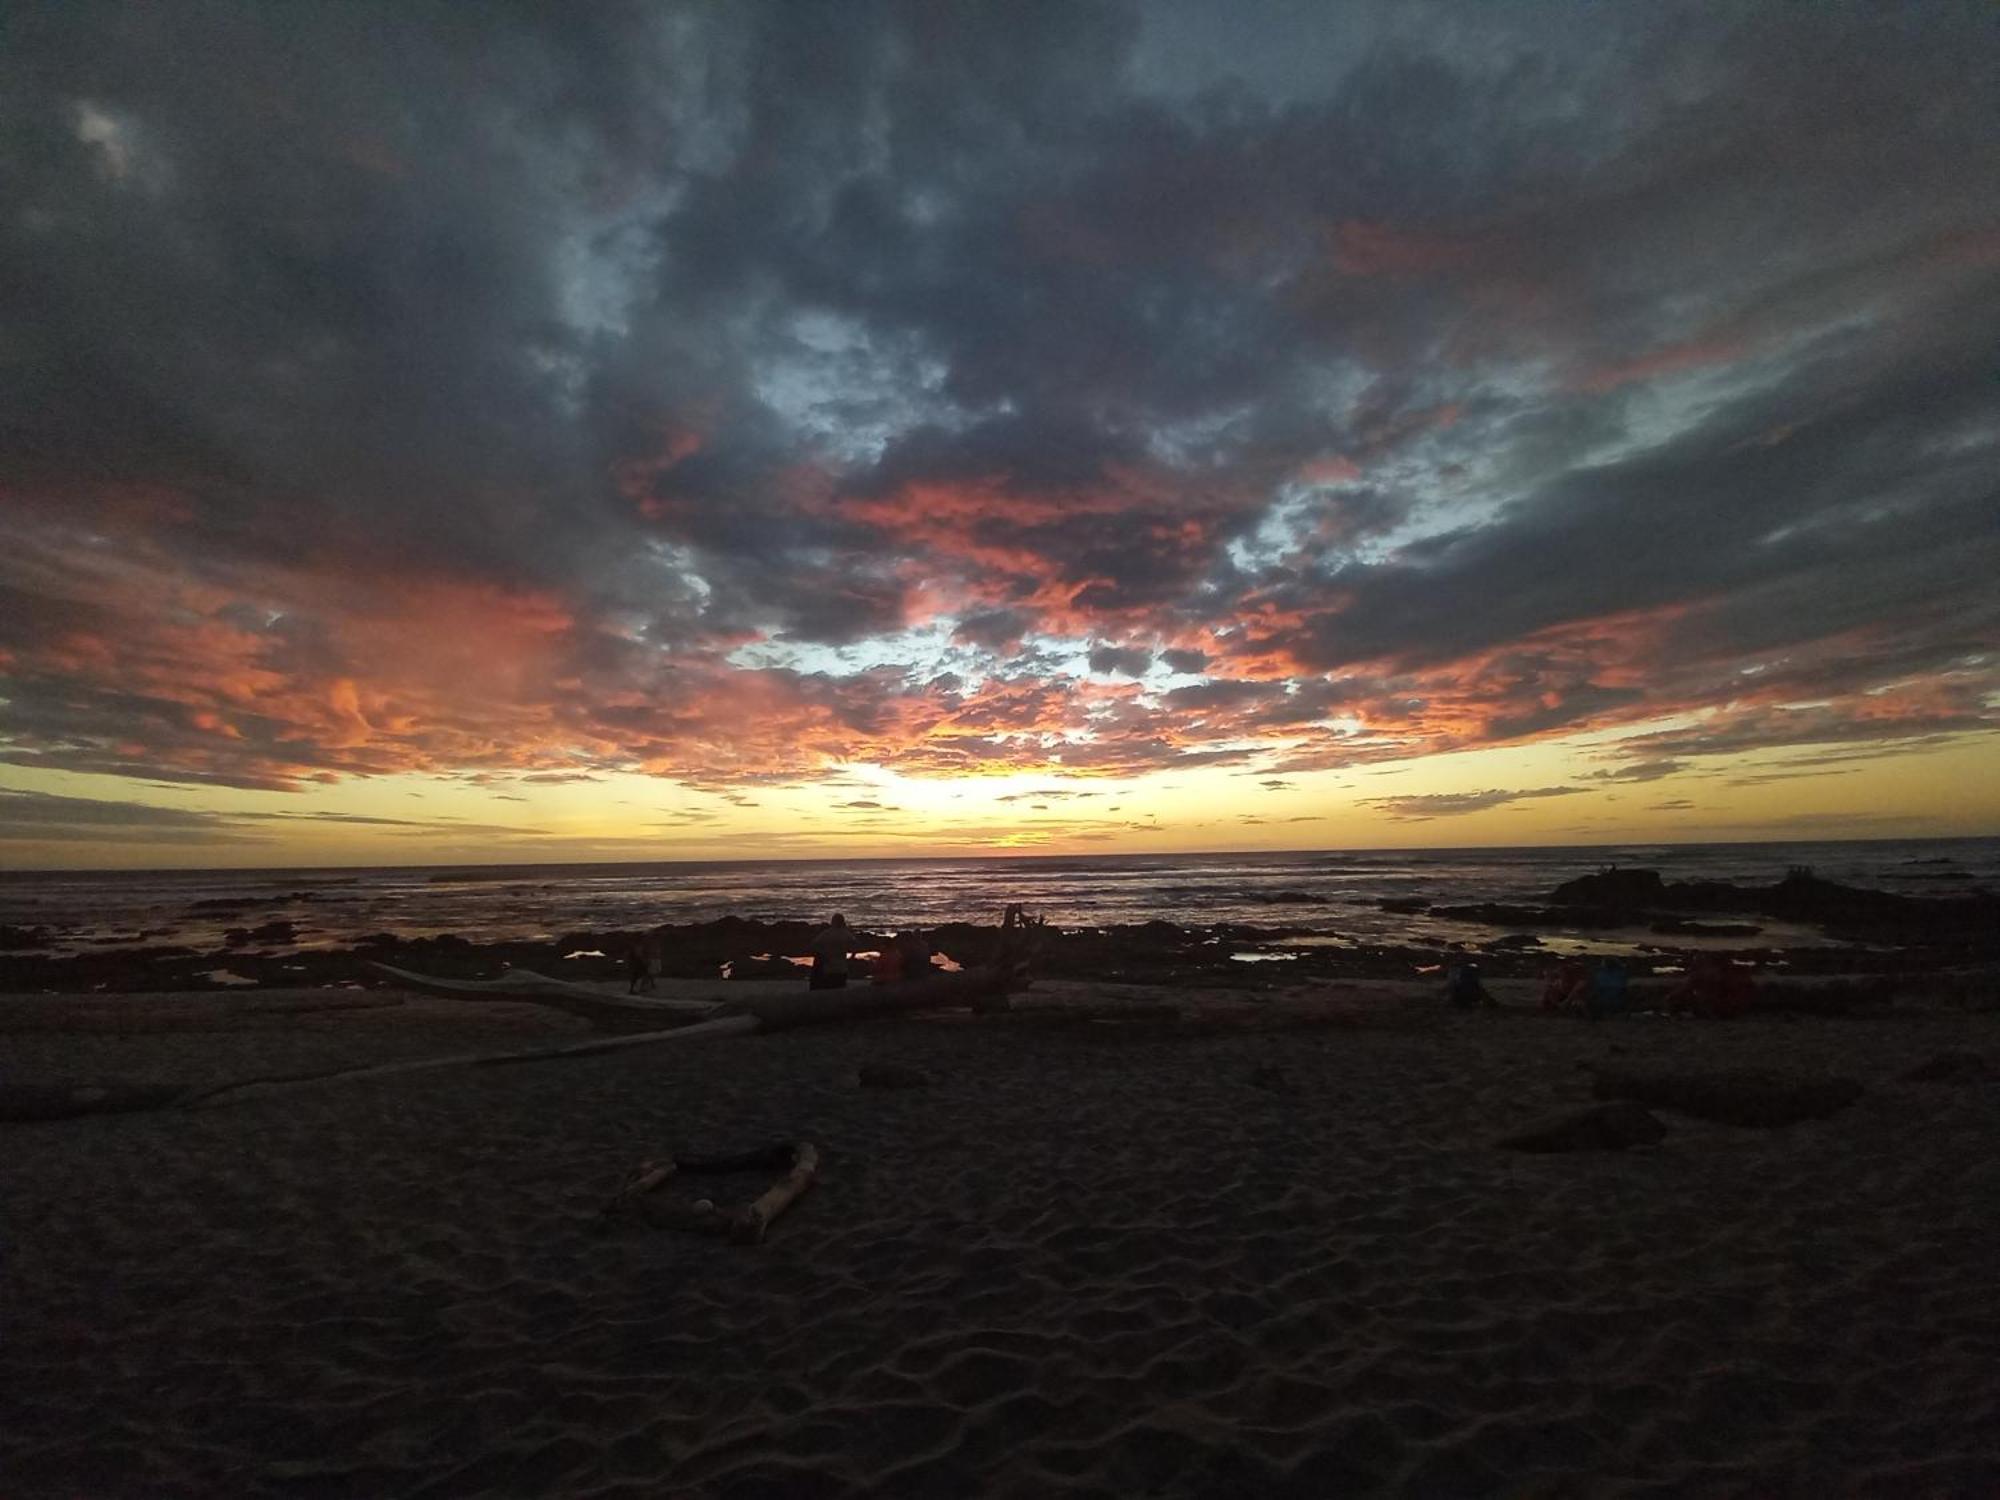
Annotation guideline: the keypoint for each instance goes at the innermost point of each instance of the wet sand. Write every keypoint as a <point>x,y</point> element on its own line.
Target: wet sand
<point>1086,1259</point>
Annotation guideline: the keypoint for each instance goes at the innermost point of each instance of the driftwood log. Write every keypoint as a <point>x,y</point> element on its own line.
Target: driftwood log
<point>604,1010</point>
<point>62,1101</point>
<point>798,1161</point>
<point>765,1007</point>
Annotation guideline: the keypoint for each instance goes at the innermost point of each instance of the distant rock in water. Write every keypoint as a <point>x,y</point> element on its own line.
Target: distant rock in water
<point>17,938</point>
<point>1800,897</point>
<point>270,933</point>
<point>1682,927</point>
<point>1627,889</point>
<point>1500,914</point>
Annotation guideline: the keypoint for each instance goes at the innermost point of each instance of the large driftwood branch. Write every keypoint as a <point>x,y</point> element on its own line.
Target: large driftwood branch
<point>763,1010</point>
<point>606,1012</point>
<point>722,1026</point>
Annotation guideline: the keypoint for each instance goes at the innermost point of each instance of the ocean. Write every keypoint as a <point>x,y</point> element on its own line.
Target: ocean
<point>1332,896</point>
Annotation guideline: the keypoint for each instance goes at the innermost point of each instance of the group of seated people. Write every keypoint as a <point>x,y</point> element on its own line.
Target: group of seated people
<point>1715,989</point>
<point>1605,991</point>
<point>1572,987</point>
<point>907,955</point>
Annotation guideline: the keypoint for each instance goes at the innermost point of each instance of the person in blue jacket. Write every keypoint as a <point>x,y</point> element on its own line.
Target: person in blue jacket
<point>1609,993</point>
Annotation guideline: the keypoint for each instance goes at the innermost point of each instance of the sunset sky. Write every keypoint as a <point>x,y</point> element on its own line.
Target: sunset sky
<point>476,432</point>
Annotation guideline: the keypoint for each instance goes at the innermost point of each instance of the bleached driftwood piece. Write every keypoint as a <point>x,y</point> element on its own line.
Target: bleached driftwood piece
<point>800,1161</point>
<point>648,1177</point>
<point>721,1026</point>
<point>604,1010</point>
<point>783,1193</point>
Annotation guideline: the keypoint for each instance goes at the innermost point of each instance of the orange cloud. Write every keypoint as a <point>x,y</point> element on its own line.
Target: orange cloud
<point>1670,359</point>
<point>1364,248</point>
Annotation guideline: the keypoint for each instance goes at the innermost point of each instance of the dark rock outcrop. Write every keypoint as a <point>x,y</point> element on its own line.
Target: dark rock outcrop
<point>1801,896</point>
<point>270,934</point>
<point>1752,1097</point>
<point>1272,1080</point>
<point>1952,1067</point>
<point>1682,927</point>
<point>1604,1127</point>
<point>63,1101</point>
<point>892,1076</point>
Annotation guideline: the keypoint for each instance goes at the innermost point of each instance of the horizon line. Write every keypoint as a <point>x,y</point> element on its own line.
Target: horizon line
<point>21,871</point>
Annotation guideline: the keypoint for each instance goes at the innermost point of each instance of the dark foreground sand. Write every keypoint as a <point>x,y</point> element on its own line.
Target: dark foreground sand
<point>1085,1260</point>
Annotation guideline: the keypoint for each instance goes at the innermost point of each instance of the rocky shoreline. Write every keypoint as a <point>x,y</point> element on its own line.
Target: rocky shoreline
<point>1872,933</point>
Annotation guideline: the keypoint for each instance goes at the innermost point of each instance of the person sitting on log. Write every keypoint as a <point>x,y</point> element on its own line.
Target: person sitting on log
<point>830,947</point>
<point>1610,993</point>
<point>888,964</point>
<point>1463,989</point>
<point>1715,989</point>
<point>915,951</point>
<point>1567,986</point>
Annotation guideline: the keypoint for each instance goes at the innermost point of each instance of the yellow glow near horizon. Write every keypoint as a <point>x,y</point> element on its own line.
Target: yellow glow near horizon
<point>1952,788</point>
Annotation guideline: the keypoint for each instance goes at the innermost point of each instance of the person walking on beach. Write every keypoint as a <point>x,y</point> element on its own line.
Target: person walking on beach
<point>643,962</point>
<point>830,947</point>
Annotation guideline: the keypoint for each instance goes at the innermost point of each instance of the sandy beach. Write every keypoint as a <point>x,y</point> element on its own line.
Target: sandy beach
<point>1089,1259</point>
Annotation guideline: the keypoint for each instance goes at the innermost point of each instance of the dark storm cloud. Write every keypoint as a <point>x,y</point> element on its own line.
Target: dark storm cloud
<point>424,386</point>
<point>1639,770</point>
<point>994,629</point>
<point>1868,500</point>
<point>45,817</point>
<point>1127,661</point>
<point>34,817</point>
